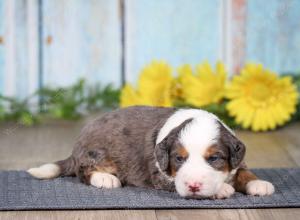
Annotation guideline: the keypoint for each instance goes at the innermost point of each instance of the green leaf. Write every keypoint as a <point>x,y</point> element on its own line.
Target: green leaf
<point>26,119</point>
<point>2,113</point>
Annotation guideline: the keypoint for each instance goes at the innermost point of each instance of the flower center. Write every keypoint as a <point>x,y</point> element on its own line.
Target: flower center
<point>260,92</point>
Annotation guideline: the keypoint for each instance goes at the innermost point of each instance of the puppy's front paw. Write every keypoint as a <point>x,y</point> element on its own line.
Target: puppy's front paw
<point>104,180</point>
<point>259,188</point>
<point>225,191</point>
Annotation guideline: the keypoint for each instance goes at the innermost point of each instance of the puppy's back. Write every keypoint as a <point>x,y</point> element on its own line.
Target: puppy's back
<point>132,122</point>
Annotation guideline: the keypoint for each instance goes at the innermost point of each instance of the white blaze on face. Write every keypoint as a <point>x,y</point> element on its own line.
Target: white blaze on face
<point>196,137</point>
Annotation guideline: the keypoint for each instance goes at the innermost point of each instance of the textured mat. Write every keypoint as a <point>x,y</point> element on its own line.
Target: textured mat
<point>19,191</point>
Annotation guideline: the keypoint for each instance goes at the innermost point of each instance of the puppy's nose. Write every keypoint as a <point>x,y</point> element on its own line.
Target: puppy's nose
<point>195,187</point>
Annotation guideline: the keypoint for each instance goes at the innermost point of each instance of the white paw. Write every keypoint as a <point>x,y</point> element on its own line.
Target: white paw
<point>259,188</point>
<point>104,180</point>
<point>225,191</point>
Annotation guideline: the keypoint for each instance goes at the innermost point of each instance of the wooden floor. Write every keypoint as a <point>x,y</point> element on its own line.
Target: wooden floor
<point>21,148</point>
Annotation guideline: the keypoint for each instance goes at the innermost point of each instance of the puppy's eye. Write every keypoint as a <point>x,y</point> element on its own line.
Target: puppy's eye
<point>179,158</point>
<point>213,158</point>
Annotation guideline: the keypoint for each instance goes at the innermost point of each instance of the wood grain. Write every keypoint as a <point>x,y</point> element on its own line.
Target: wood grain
<point>2,48</point>
<point>177,31</point>
<point>81,39</point>
<point>266,149</point>
<point>71,215</point>
<point>290,139</point>
<point>18,49</point>
<point>242,214</point>
<point>273,34</point>
<point>238,34</point>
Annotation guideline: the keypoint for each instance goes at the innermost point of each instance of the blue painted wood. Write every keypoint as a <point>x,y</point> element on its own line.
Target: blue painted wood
<point>15,50</point>
<point>273,34</point>
<point>21,49</point>
<point>178,31</point>
<point>2,51</point>
<point>81,39</point>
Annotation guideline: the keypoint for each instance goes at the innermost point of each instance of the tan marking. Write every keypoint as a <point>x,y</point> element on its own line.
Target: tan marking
<point>107,166</point>
<point>210,151</point>
<point>173,171</point>
<point>226,167</point>
<point>213,149</point>
<point>182,152</point>
<point>242,177</point>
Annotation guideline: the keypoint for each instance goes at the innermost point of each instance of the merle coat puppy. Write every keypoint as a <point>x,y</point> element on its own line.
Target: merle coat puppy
<point>189,151</point>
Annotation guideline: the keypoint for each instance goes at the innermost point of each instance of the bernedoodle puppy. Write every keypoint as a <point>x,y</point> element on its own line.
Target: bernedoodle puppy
<point>189,151</point>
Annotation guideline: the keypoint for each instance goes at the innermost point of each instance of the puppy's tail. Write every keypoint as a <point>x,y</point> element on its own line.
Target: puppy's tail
<point>52,170</point>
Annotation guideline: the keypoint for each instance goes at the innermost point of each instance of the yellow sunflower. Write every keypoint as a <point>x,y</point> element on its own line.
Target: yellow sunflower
<point>129,96</point>
<point>154,87</point>
<point>260,100</point>
<point>177,86</point>
<point>205,87</point>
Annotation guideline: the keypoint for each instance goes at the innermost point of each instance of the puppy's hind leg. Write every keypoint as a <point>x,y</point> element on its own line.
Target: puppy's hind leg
<point>101,174</point>
<point>52,170</point>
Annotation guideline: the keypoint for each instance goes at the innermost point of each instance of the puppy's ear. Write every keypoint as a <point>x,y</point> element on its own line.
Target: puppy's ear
<point>162,153</point>
<point>162,149</point>
<point>235,147</point>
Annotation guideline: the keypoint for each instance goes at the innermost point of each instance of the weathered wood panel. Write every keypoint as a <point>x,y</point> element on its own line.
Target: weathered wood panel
<point>237,42</point>
<point>81,39</point>
<point>33,47</point>
<point>20,48</point>
<point>2,50</point>
<point>17,47</point>
<point>273,34</point>
<point>178,31</point>
<point>12,61</point>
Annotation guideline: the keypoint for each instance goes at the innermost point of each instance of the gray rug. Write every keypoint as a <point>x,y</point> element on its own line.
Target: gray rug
<point>19,191</point>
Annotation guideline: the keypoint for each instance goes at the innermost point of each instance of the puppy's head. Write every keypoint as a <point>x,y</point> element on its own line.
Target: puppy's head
<point>199,154</point>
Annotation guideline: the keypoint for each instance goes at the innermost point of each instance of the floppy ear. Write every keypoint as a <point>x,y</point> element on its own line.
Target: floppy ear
<point>162,149</point>
<point>162,154</point>
<point>235,147</point>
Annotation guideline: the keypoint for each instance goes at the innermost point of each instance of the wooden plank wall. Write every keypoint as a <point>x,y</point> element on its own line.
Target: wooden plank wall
<point>2,51</point>
<point>83,38</point>
<point>18,47</point>
<point>184,31</point>
<point>273,34</point>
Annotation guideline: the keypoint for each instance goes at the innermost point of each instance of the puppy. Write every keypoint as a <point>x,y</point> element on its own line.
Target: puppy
<point>189,151</point>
